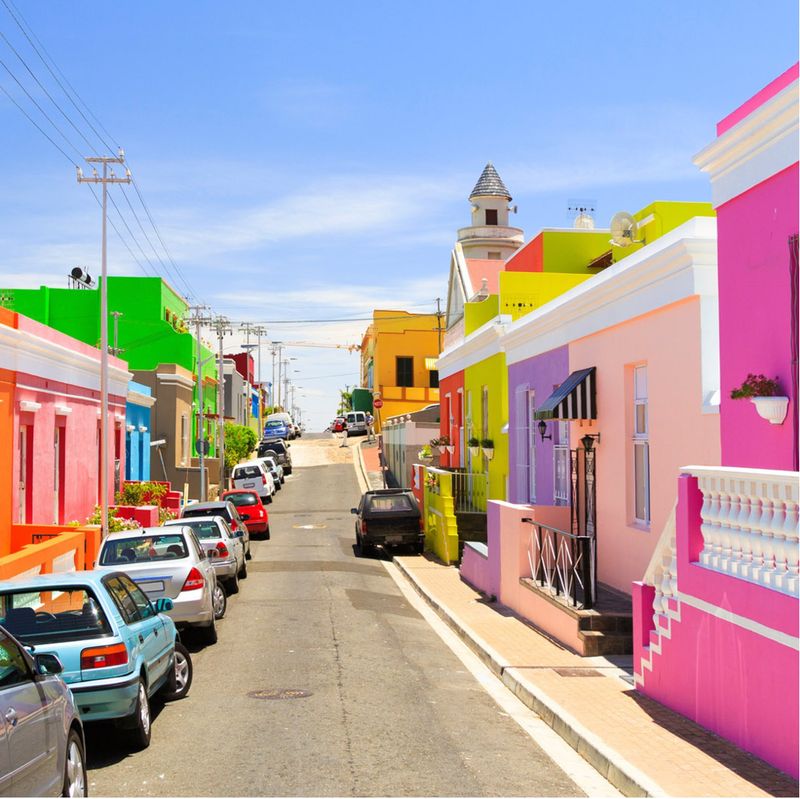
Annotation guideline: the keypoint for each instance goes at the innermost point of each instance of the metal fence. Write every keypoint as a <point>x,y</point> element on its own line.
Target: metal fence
<point>469,491</point>
<point>563,564</point>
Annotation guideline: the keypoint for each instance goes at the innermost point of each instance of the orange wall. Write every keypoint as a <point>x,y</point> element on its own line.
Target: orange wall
<point>668,341</point>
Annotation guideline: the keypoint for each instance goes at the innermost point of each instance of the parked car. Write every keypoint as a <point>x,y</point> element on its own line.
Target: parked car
<point>118,649</point>
<point>298,431</point>
<point>278,428</point>
<point>223,548</point>
<point>286,418</point>
<point>275,469</point>
<point>338,424</point>
<point>281,451</point>
<point>227,510</point>
<point>254,475</point>
<point>44,751</point>
<point>169,562</point>
<point>386,518</point>
<point>251,509</point>
<point>356,423</point>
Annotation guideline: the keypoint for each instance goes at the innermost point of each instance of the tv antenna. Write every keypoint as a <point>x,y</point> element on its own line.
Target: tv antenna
<point>583,211</point>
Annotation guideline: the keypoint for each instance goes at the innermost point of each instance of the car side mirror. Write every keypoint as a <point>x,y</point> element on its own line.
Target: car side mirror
<point>163,605</point>
<point>239,533</point>
<point>353,510</point>
<point>47,664</point>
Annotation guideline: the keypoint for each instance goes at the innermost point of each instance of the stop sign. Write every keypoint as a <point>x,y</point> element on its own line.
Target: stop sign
<point>378,403</point>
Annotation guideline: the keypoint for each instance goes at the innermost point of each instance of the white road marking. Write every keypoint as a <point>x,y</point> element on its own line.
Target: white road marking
<point>562,754</point>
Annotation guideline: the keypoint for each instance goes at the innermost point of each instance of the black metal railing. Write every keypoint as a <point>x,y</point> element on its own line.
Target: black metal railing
<point>563,564</point>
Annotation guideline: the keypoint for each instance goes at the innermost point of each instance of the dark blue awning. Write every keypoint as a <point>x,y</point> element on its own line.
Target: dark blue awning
<point>573,399</point>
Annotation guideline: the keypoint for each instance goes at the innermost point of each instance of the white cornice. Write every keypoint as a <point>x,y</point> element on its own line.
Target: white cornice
<point>679,265</point>
<point>25,352</point>
<point>175,379</point>
<point>755,148</point>
<point>476,347</point>
<point>137,398</point>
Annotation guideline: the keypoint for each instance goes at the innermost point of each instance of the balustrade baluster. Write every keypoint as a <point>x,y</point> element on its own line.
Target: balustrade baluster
<point>708,516</point>
<point>726,500</point>
<point>775,552</point>
<point>752,540</point>
<point>792,532</point>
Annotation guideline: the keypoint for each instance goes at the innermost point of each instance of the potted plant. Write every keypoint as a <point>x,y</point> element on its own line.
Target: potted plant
<point>425,454</point>
<point>766,395</point>
<point>488,447</point>
<point>474,445</point>
<point>431,482</point>
<point>441,444</point>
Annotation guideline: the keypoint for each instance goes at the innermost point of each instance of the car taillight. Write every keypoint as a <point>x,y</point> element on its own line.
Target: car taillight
<point>98,657</point>
<point>194,580</point>
<point>263,479</point>
<point>234,525</point>
<point>363,527</point>
<point>222,549</point>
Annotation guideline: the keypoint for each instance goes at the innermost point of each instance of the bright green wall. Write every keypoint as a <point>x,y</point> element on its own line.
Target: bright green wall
<point>490,372</point>
<point>477,314</point>
<point>572,250</point>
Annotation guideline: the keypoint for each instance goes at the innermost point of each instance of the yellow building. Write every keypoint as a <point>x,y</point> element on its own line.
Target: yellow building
<point>398,361</point>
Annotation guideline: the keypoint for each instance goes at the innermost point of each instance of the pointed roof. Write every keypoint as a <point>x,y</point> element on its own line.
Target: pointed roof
<point>490,184</point>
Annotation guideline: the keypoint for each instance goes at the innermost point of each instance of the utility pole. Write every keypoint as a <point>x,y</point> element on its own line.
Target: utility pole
<point>115,350</point>
<point>107,177</point>
<point>199,317</point>
<point>256,330</point>
<point>222,326</point>
<point>439,323</point>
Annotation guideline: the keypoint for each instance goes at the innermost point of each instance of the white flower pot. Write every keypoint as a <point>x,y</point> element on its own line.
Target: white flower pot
<point>474,451</point>
<point>773,409</point>
<point>488,452</point>
<point>450,448</point>
<point>426,458</point>
<point>442,450</point>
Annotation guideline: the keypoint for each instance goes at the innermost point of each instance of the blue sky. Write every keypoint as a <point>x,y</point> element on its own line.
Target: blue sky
<point>313,160</point>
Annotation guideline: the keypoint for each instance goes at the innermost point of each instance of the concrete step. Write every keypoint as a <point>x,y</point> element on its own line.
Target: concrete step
<point>597,642</point>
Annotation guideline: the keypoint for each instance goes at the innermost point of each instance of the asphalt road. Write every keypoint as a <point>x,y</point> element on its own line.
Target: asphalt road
<point>390,710</point>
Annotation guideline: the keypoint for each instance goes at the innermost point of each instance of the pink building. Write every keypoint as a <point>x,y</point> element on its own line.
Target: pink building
<point>51,420</point>
<point>716,615</point>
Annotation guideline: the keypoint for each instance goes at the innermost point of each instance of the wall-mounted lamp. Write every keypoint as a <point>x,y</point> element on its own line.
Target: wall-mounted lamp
<point>543,430</point>
<point>589,439</point>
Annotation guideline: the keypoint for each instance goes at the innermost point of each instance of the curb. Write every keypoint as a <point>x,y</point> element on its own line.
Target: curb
<point>625,777</point>
<point>361,469</point>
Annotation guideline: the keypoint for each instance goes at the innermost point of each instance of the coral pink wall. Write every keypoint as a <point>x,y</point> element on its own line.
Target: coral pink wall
<point>668,342</point>
<point>529,258</point>
<point>740,683</point>
<point>755,318</point>
<point>451,385</point>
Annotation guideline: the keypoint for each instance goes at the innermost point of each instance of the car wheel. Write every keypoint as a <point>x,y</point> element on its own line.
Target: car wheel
<point>242,573</point>
<point>266,534</point>
<point>247,555</point>
<point>179,682</point>
<point>363,549</point>
<point>419,548</point>
<point>283,480</point>
<point>74,767</point>
<point>209,633</point>
<point>232,585</point>
<point>219,601</point>
<point>139,734</point>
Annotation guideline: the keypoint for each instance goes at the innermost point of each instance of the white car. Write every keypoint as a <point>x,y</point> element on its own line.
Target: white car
<point>255,476</point>
<point>224,549</point>
<point>169,562</point>
<point>275,469</point>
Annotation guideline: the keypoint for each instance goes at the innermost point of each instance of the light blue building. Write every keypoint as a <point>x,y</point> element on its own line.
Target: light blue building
<point>137,431</point>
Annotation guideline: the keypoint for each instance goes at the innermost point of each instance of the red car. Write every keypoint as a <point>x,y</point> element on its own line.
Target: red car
<point>250,508</point>
<point>338,424</point>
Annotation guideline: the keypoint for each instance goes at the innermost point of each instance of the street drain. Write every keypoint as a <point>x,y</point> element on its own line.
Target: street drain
<point>279,693</point>
<point>578,672</point>
<point>309,526</point>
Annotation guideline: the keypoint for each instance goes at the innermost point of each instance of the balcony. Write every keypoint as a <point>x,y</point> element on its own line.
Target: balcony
<point>490,232</point>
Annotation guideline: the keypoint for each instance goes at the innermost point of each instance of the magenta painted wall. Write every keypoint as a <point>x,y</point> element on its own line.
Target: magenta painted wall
<point>737,682</point>
<point>755,317</point>
<point>540,374</point>
<point>668,342</point>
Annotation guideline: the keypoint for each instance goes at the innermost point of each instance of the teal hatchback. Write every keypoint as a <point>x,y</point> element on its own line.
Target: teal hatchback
<point>117,648</point>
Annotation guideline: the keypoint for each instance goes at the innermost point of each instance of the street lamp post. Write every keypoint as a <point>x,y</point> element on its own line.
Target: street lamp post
<point>104,180</point>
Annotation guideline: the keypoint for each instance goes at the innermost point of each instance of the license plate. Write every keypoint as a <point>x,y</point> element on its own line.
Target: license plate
<point>152,587</point>
<point>249,485</point>
<point>394,539</point>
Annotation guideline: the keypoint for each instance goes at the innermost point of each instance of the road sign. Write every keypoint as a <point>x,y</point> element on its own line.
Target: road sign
<point>377,404</point>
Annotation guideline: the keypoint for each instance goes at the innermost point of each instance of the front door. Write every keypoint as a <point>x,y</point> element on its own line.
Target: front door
<point>22,481</point>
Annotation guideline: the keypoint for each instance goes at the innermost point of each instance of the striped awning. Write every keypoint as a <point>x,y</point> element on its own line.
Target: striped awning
<point>573,399</point>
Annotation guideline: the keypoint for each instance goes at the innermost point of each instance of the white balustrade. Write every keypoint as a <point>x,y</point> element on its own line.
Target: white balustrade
<point>749,523</point>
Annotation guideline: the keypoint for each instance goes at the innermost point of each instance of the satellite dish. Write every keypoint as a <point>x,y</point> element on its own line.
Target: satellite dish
<point>624,229</point>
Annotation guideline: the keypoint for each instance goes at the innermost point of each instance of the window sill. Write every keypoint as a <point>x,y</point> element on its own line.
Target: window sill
<point>642,527</point>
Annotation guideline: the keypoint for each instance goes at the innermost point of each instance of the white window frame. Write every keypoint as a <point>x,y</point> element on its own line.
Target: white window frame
<point>641,444</point>
<point>184,438</point>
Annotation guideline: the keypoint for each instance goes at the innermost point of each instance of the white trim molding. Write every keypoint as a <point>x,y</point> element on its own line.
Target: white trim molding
<point>762,144</point>
<point>174,379</point>
<point>29,406</point>
<point>476,347</point>
<point>63,410</point>
<point>143,428</point>
<point>143,400</point>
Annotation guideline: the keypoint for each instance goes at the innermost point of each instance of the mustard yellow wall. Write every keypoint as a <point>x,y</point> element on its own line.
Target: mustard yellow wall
<point>477,314</point>
<point>490,372</point>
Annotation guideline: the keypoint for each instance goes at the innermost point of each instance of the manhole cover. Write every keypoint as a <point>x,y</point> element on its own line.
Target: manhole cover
<point>309,526</point>
<point>577,672</point>
<point>279,693</point>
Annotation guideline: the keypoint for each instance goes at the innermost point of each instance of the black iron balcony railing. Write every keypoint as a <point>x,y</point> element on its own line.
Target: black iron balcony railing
<point>563,564</point>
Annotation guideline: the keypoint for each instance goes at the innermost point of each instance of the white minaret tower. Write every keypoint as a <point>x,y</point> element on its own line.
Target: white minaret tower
<point>489,235</point>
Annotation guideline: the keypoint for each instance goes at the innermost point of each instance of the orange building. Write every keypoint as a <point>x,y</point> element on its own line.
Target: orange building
<point>398,361</point>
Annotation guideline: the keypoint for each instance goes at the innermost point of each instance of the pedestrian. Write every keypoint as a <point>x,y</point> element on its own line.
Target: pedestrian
<point>344,434</point>
<point>370,427</point>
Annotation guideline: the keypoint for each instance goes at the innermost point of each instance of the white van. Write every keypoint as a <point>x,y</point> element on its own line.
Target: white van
<point>356,423</point>
<point>254,475</point>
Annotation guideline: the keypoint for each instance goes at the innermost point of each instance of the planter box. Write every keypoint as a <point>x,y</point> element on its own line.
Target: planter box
<point>146,515</point>
<point>773,409</point>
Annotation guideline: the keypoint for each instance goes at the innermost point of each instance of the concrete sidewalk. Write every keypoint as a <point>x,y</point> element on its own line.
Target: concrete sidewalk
<point>638,745</point>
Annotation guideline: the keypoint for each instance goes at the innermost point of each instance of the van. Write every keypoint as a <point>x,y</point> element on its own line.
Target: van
<point>253,475</point>
<point>356,423</point>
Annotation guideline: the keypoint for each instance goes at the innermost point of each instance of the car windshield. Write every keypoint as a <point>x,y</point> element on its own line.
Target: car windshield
<point>205,529</point>
<point>276,423</point>
<point>398,502</point>
<point>206,511</point>
<point>54,613</point>
<point>244,472</point>
<point>273,446</point>
<point>242,499</point>
<point>143,549</point>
